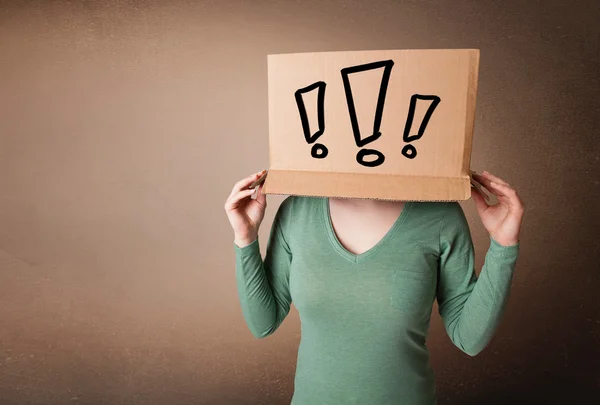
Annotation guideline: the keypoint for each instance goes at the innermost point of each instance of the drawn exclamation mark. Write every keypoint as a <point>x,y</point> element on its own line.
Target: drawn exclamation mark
<point>318,151</point>
<point>358,138</point>
<point>409,150</point>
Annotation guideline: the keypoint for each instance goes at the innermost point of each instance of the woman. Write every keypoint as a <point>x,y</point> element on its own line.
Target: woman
<point>363,275</point>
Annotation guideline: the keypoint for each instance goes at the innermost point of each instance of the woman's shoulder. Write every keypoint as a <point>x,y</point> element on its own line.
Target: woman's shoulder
<point>450,214</point>
<point>298,214</point>
<point>437,207</point>
<point>297,207</point>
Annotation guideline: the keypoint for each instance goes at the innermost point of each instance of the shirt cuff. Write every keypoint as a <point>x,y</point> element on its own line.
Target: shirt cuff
<point>509,252</point>
<point>247,250</point>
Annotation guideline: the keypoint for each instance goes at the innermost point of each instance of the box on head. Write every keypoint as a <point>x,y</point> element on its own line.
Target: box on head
<point>391,124</point>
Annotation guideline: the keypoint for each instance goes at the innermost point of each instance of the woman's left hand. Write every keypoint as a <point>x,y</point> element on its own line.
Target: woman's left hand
<point>502,220</point>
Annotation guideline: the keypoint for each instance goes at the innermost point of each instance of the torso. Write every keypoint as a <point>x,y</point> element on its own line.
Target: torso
<point>364,308</point>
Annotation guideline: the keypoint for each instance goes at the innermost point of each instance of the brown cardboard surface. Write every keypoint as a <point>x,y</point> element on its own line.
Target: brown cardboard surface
<point>392,124</point>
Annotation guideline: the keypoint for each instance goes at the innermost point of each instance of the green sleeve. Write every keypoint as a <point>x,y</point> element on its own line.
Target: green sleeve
<point>263,285</point>
<point>471,307</point>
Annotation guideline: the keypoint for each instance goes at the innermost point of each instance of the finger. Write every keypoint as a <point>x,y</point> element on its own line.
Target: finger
<point>495,179</point>
<point>261,198</point>
<point>475,183</point>
<point>234,201</point>
<point>487,175</point>
<point>496,189</point>
<point>245,182</point>
<point>510,193</point>
<point>238,199</point>
<point>486,183</point>
<point>479,200</point>
<point>261,179</point>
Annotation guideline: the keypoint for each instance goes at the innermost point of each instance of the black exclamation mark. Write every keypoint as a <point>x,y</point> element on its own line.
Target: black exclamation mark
<point>409,150</point>
<point>358,139</point>
<point>318,151</point>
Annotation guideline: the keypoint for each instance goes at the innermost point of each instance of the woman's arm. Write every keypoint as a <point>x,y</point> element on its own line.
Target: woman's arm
<point>263,285</point>
<point>471,307</point>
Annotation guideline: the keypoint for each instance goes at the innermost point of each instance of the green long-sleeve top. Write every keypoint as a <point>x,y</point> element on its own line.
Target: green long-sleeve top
<point>364,318</point>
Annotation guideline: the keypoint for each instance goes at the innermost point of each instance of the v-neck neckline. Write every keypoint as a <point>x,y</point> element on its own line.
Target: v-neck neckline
<point>345,253</point>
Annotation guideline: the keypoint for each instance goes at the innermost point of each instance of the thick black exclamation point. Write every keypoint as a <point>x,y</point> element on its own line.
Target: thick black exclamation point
<point>358,139</point>
<point>409,150</point>
<point>318,151</point>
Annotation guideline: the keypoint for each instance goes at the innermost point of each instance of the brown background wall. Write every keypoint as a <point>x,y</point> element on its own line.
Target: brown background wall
<point>125,124</point>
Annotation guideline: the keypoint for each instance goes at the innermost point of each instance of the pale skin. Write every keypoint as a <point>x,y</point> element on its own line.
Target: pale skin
<point>360,223</point>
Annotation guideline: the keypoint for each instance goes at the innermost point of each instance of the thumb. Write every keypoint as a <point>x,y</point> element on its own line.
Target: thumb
<point>479,200</point>
<point>260,196</point>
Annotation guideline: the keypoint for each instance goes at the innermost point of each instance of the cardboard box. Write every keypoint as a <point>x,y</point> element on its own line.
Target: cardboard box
<point>391,124</point>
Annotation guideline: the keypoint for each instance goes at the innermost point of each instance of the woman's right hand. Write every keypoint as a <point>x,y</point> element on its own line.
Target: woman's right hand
<point>245,214</point>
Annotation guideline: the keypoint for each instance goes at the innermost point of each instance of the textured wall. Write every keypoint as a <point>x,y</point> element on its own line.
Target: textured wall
<point>123,126</point>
